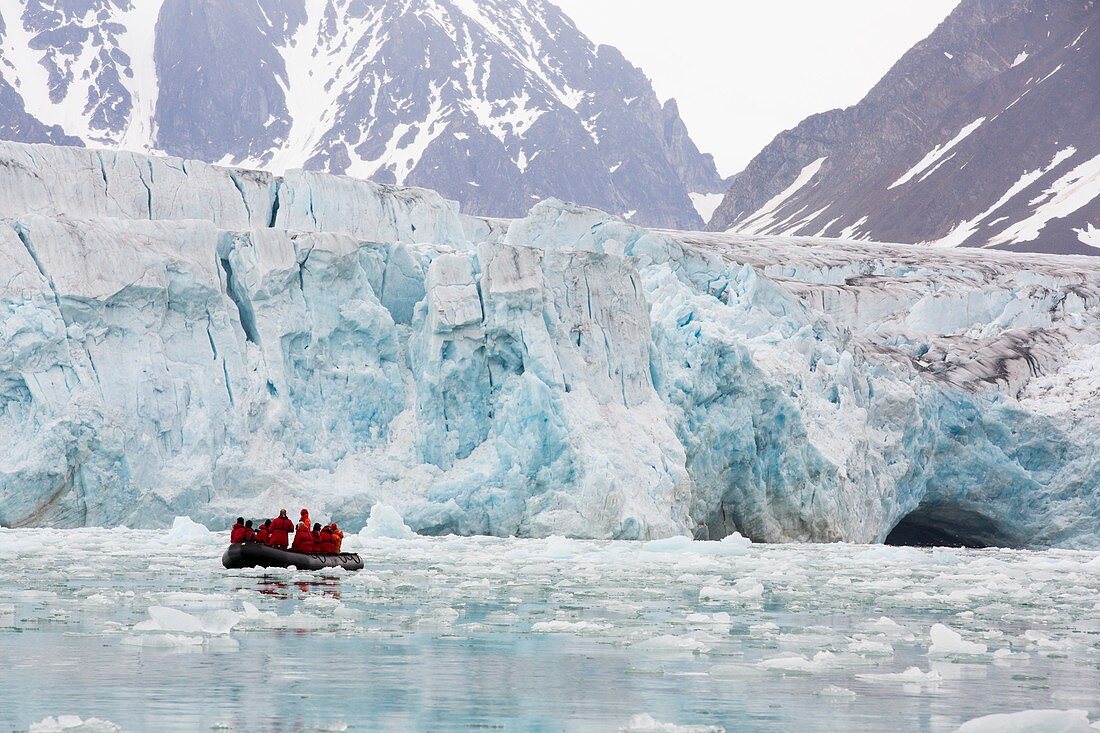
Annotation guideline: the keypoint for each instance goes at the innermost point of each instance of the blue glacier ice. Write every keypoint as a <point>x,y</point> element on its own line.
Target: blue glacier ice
<point>184,339</point>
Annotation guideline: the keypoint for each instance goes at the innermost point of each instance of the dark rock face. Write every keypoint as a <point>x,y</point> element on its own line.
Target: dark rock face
<point>987,133</point>
<point>494,103</point>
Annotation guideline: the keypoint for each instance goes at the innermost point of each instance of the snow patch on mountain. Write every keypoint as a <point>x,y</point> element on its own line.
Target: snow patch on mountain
<point>936,154</point>
<point>509,95</point>
<point>705,203</point>
<point>965,230</point>
<point>1070,193</point>
<point>765,217</point>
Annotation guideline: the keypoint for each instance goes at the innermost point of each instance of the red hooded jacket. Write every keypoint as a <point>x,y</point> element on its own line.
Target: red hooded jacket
<point>303,538</point>
<point>328,541</point>
<point>237,534</point>
<point>279,533</point>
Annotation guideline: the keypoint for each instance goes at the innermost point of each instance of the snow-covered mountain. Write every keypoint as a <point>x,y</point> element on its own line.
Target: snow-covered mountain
<point>985,134</point>
<point>494,103</point>
<point>178,338</point>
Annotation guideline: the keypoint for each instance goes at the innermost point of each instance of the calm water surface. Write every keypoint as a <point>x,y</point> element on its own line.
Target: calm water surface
<point>526,635</point>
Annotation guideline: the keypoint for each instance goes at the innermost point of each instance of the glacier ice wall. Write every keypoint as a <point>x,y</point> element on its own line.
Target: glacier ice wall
<point>182,338</point>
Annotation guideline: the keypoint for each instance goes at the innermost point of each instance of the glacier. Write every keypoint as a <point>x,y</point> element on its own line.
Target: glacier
<point>183,339</point>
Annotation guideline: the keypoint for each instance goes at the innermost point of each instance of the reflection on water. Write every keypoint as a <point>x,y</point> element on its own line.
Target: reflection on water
<point>273,586</point>
<point>447,634</point>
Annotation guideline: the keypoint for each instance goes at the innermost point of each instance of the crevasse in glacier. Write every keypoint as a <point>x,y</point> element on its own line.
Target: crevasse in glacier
<point>179,338</point>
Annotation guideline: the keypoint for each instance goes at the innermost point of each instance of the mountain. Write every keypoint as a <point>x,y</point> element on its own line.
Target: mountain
<point>494,103</point>
<point>985,134</point>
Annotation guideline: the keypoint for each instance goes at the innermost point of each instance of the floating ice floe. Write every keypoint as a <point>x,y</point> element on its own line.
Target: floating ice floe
<point>673,643</point>
<point>73,724</point>
<point>162,618</point>
<point>1032,721</point>
<point>164,641</point>
<point>561,548</point>
<point>886,625</point>
<point>1045,644</point>
<point>731,545</point>
<point>820,662</point>
<point>913,676</point>
<point>646,723</point>
<point>186,531</point>
<point>385,522</point>
<point>870,647</point>
<point>708,619</point>
<point>1007,655</point>
<point>743,589</point>
<point>170,628</point>
<point>567,627</point>
<point>438,616</point>
<point>947,642</point>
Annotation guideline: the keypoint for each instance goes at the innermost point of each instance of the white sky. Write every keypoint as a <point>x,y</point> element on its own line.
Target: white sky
<point>744,70</point>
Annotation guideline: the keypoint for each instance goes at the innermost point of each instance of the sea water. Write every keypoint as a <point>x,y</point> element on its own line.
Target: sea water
<point>138,631</point>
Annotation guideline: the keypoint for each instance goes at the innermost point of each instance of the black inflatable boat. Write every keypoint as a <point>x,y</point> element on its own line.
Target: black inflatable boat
<point>255,555</point>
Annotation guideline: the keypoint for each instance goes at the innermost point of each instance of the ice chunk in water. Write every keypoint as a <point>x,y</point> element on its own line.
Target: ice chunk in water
<point>709,619</point>
<point>947,641</point>
<point>219,622</point>
<point>384,521</point>
<point>820,662</point>
<point>913,675</point>
<point>567,627</point>
<point>561,548</point>
<point>743,589</point>
<point>186,531</point>
<point>162,618</point>
<point>251,613</point>
<point>73,724</point>
<point>1031,721</point>
<point>671,643</point>
<point>646,723</point>
<point>164,641</point>
<point>734,544</point>
<point>871,647</point>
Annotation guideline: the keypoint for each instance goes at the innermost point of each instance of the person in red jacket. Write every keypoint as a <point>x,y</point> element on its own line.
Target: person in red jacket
<point>263,534</point>
<point>280,530</point>
<point>337,538</point>
<point>237,533</point>
<point>317,537</point>
<point>328,541</point>
<point>303,535</point>
<point>249,532</point>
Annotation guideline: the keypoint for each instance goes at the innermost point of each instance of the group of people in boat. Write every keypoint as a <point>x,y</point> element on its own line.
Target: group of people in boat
<point>309,537</point>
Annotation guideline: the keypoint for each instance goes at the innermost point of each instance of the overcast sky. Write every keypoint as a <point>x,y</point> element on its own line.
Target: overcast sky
<point>743,70</point>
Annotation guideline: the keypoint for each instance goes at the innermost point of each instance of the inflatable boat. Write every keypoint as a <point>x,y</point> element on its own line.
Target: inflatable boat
<point>255,555</point>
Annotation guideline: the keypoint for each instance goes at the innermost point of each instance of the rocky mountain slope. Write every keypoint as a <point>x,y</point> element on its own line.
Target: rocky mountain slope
<point>179,338</point>
<point>985,134</point>
<point>494,103</point>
